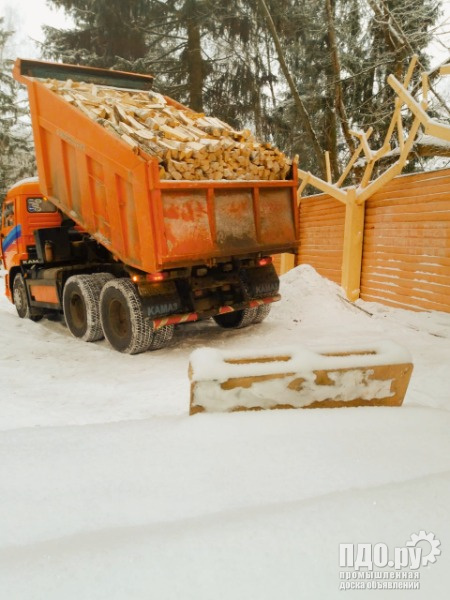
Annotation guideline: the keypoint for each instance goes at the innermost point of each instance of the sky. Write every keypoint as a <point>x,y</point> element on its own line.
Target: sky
<point>26,17</point>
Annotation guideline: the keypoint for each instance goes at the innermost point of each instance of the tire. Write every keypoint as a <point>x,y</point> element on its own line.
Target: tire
<point>81,299</point>
<point>161,337</point>
<point>236,319</point>
<point>262,312</point>
<point>99,280</point>
<point>102,278</point>
<point>20,297</point>
<point>124,324</point>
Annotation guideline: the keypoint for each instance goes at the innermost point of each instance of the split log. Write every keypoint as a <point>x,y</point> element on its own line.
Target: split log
<point>188,145</point>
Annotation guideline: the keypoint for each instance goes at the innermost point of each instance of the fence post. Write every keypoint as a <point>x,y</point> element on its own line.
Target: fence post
<point>353,245</point>
<point>287,262</point>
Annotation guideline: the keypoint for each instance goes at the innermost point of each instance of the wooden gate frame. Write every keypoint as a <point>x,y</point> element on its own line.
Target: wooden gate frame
<point>354,197</point>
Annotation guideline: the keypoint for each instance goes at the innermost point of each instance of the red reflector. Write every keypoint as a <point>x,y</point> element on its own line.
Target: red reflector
<point>156,276</point>
<point>267,260</point>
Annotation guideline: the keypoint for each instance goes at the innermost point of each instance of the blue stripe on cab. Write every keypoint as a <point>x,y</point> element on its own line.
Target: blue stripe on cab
<point>12,237</point>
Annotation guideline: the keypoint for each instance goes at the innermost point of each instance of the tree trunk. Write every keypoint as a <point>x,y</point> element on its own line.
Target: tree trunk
<point>301,109</point>
<point>195,61</point>
<point>336,66</point>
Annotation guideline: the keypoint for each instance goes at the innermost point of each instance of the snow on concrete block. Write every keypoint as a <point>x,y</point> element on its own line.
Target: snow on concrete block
<point>297,377</point>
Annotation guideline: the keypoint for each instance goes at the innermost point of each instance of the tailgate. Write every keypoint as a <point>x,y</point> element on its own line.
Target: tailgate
<point>214,219</point>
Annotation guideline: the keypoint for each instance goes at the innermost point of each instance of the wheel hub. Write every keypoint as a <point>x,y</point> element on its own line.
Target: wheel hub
<point>118,318</point>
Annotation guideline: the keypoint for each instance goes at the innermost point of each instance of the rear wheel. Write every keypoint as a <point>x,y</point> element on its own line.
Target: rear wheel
<point>236,319</point>
<point>124,324</point>
<point>262,312</point>
<point>161,337</point>
<point>81,299</point>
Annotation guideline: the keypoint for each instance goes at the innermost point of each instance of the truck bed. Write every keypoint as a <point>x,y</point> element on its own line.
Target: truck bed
<point>117,196</point>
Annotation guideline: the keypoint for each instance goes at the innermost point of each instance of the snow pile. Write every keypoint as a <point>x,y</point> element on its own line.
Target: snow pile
<point>110,490</point>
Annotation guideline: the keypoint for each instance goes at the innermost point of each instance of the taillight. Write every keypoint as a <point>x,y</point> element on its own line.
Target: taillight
<point>266,260</point>
<point>156,276</point>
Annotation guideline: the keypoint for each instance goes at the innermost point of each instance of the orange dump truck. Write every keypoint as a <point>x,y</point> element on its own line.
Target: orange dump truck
<point>121,252</point>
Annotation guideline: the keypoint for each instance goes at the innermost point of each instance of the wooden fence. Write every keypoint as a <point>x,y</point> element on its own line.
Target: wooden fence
<point>406,245</point>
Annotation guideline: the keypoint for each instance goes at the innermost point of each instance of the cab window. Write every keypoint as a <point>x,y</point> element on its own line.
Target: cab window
<point>40,205</point>
<point>8,214</point>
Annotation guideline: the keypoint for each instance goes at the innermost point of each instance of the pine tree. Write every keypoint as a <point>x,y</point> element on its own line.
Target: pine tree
<point>342,82</point>
<point>222,58</point>
<point>105,33</point>
<point>16,154</point>
<point>140,36</point>
<point>204,53</point>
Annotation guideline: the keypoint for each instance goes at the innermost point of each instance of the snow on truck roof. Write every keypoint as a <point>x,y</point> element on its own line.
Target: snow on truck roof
<point>27,181</point>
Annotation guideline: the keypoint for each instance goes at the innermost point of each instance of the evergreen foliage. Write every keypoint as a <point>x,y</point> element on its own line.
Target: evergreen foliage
<point>220,57</point>
<point>16,154</point>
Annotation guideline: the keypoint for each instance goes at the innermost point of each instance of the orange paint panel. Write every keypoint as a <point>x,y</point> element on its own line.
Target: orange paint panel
<point>44,293</point>
<point>235,221</point>
<point>276,216</point>
<point>186,223</point>
<point>128,218</point>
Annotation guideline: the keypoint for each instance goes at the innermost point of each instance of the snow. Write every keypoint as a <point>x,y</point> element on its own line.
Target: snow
<point>208,363</point>
<point>110,490</point>
<point>23,181</point>
<point>293,390</point>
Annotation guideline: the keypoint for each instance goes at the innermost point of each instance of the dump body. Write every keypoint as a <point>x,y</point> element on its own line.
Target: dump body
<point>116,194</point>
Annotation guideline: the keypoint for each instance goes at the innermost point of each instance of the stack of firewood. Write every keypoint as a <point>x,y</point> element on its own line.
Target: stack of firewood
<point>187,145</point>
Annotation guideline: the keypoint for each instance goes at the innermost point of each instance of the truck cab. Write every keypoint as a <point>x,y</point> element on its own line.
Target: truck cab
<point>24,211</point>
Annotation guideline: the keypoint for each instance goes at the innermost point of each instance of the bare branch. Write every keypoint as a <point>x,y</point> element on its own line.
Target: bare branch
<point>303,113</point>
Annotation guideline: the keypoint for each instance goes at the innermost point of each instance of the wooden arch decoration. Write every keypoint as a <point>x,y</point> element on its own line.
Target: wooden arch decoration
<point>354,197</point>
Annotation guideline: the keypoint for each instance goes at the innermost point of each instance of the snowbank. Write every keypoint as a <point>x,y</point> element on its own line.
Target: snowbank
<point>109,490</point>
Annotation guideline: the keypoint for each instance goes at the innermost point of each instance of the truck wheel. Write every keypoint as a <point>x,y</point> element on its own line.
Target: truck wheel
<point>161,337</point>
<point>81,306</point>
<point>261,313</point>
<point>99,280</point>
<point>20,299</point>
<point>102,278</point>
<point>124,324</point>
<point>236,319</point>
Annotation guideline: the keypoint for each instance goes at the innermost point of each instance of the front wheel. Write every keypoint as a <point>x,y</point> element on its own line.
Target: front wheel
<point>20,299</point>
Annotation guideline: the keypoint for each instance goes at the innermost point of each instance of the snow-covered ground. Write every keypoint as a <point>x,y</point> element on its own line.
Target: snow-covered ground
<point>109,490</point>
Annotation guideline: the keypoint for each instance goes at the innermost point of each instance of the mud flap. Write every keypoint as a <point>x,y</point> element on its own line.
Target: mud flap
<point>260,282</point>
<point>296,377</point>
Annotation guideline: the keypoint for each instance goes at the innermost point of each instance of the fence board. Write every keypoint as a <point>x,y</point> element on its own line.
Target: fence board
<point>406,252</point>
<point>322,235</point>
